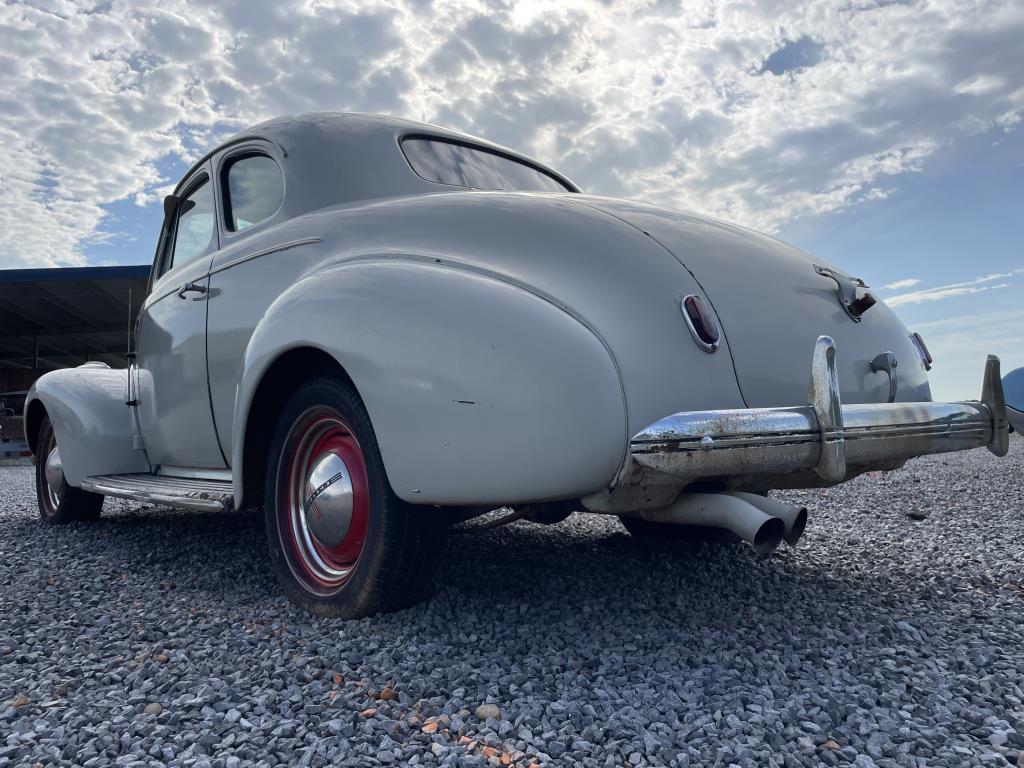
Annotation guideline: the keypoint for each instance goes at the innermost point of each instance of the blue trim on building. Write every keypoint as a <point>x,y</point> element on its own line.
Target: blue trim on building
<point>46,274</point>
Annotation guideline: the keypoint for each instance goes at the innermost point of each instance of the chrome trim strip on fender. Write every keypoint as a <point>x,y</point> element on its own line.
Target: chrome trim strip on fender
<point>824,436</point>
<point>199,276</point>
<point>265,252</point>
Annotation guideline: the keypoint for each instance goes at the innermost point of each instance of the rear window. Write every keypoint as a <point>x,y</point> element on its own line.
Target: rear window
<point>460,165</point>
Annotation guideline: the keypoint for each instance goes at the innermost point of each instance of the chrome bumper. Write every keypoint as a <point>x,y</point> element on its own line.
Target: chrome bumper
<point>824,436</point>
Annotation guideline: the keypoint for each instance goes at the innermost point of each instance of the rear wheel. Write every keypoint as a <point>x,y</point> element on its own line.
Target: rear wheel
<point>341,542</point>
<point>59,502</point>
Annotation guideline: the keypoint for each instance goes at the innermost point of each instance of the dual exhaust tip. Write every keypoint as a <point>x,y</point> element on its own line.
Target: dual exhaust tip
<point>761,522</point>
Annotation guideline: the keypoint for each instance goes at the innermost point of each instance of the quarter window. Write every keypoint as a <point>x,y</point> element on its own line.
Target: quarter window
<point>253,190</point>
<point>194,227</point>
<point>461,165</point>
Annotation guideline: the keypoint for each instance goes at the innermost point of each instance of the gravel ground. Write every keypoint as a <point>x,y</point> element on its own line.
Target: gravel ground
<point>157,637</point>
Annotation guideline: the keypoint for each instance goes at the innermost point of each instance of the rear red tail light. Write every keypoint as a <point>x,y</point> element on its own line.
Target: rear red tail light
<point>922,348</point>
<point>702,323</point>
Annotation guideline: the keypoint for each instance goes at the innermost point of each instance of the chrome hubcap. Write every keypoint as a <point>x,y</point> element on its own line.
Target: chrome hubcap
<point>323,500</point>
<point>53,471</point>
<point>327,508</point>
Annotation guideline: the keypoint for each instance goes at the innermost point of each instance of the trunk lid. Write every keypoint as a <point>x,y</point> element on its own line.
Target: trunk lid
<point>773,304</point>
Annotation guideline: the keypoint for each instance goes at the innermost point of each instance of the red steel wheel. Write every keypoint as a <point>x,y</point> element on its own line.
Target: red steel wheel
<point>341,542</point>
<point>324,501</point>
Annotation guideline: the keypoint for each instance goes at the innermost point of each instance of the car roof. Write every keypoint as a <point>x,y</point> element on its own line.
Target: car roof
<point>325,134</point>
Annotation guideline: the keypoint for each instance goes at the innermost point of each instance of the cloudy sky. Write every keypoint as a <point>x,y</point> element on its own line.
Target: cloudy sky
<point>883,136</point>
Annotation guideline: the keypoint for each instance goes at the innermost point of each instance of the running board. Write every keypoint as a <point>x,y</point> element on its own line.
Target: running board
<point>180,492</point>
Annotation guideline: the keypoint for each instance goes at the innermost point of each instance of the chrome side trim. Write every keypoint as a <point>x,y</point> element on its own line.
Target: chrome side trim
<point>199,276</point>
<point>824,436</point>
<point>180,492</point>
<point>265,252</point>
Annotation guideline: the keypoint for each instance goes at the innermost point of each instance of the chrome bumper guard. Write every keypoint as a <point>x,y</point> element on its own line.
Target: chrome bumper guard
<point>824,436</point>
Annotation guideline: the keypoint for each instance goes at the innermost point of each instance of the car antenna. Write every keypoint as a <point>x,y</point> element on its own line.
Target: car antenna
<point>129,323</point>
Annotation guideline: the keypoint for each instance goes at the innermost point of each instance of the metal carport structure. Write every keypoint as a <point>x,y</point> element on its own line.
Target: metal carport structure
<point>55,318</point>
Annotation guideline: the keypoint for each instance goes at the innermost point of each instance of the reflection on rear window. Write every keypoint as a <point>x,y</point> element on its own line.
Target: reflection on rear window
<point>463,166</point>
<point>254,190</point>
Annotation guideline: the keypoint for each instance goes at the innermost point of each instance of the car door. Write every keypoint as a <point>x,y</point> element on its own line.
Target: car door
<point>173,391</point>
<point>260,257</point>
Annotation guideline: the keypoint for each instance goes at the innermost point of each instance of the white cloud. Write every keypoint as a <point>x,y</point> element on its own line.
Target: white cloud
<point>961,344</point>
<point>757,114</point>
<point>899,285</point>
<point>977,285</point>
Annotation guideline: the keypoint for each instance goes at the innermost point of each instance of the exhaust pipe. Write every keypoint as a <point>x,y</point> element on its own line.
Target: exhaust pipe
<point>718,510</point>
<point>794,517</point>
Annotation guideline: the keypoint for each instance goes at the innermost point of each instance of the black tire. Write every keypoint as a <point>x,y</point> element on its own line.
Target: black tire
<point>401,548</point>
<point>651,531</point>
<point>63,504</point>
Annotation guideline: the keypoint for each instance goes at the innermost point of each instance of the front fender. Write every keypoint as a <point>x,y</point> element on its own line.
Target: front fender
<point>94,427</point>
<point>480,390</point>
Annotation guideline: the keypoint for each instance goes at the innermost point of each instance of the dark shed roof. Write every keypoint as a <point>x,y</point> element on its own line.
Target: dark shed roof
<point>53,318</point>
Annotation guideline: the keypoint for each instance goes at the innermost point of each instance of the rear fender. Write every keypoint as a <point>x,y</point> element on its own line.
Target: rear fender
<point>94,427</point>
<point>479,390</point>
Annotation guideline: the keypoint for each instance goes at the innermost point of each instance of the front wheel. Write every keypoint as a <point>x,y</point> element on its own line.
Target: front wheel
<point>341,542</point>
<point>59,502</point>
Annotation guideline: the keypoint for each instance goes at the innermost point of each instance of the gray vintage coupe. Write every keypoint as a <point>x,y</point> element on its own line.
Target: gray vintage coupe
<point>369,326</point>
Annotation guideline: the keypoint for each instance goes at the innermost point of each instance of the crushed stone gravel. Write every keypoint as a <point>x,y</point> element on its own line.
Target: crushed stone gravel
<point>893,635</point>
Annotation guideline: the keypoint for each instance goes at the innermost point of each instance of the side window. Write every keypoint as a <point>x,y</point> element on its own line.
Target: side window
<point>253,190</point>
<point>193,231</point>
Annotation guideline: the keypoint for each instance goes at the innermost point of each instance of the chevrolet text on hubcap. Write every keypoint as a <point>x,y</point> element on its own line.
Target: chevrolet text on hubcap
<point>324,501</point>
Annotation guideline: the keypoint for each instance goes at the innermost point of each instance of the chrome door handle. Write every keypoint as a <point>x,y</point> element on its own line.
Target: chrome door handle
<point>886,361</point>
<point>192,288</point>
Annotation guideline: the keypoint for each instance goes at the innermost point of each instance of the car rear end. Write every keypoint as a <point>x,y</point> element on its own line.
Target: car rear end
<point>833,383</point>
